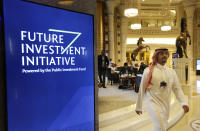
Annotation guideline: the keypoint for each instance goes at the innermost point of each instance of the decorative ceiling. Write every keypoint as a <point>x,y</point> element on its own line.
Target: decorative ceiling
<point>157,2</point>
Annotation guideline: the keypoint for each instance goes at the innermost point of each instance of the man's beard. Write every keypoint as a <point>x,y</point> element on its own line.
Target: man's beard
<point>164,60</point>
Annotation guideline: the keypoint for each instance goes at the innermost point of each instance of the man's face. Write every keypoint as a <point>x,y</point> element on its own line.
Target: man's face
<point>162,57</point>
<point>103,53</point>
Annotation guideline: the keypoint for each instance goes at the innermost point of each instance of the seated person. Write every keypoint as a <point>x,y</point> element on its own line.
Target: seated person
<point>137,66</point>
<point>135,71</point>
<point>142,67</point>
<point>113,68</point>
<point>114,74</point>
<point>125,69</point>
<point>125,73</point>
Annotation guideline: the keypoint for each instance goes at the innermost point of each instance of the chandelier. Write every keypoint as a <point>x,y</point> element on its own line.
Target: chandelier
<point>131,12</point>
<point>166,10</point>
<point>136,26</point>
<point>166,28</point>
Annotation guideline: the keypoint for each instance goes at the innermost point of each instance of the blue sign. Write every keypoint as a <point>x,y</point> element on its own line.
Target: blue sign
<point>49,68</point>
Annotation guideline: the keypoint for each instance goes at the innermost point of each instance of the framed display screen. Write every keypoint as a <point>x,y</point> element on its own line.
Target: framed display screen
<point>198,65</point>
<point>49,68</point>
<point>198,86</point>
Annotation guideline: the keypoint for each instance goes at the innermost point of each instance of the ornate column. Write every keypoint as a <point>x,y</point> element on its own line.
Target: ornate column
<point>99,27</point>
<point>124,30</point>
<point>110,9</point>
<point>198,34</point>
<point>189,16</point>
<point>189,10</point>
<point>182,67</point>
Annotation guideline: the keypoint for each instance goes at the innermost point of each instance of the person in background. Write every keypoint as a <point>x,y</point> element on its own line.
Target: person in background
<point>125,69</point>
<point>113,68</point>
<point>114,74</point>
<point>110,63</point>
<point>157,83</point>
<point>103,63</point>
<point>142,67</point>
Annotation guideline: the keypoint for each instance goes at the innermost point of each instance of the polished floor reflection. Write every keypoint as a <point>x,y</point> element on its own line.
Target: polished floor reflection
<point>191,121</point>
<point>117,110</point>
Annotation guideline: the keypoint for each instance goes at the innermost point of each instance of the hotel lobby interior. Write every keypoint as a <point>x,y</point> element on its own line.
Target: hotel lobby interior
<point>118,31</point>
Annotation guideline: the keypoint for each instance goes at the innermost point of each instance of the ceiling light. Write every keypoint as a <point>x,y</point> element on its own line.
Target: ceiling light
<point>135,26</point>
<point>131,12</point>
<point>163,41</point>
<point>165,28</point>
<point>65,2</point>
<point>173,11</point>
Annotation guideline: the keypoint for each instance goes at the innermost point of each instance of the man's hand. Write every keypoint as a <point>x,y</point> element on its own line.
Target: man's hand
<point>138,112</point>
<point>185,108</point>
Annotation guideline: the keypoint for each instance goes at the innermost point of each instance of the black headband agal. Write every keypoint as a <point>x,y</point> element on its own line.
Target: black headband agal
<point>161,49</point>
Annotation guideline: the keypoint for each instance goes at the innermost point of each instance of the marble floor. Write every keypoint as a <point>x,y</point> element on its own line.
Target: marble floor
<point>112,95</point>
<point>112,99</point>
<point>191,120</point>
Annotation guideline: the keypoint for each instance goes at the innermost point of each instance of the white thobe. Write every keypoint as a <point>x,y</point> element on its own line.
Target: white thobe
<point>158,98</point>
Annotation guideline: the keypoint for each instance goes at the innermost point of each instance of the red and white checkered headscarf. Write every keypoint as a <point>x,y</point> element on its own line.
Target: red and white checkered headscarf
<point>154,62</point>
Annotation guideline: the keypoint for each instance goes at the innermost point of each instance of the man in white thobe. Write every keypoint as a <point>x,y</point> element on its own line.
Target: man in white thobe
<point>157,83</point>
